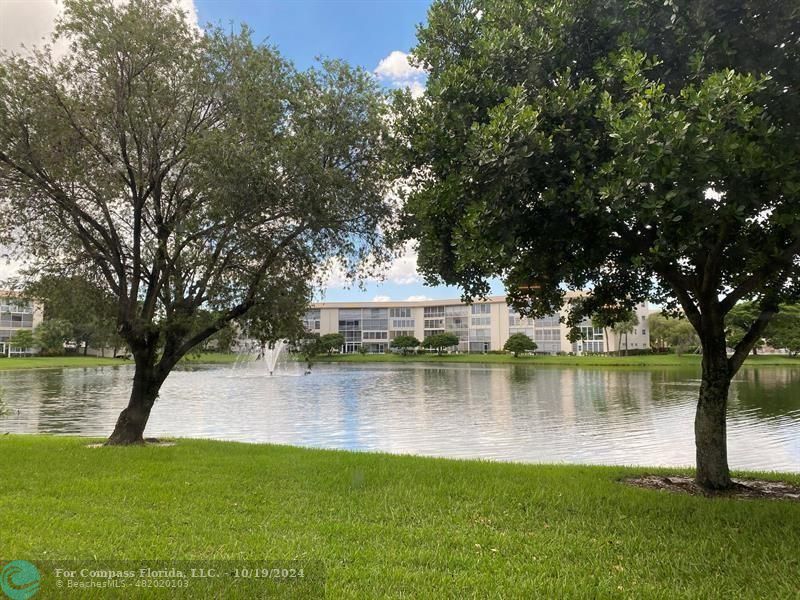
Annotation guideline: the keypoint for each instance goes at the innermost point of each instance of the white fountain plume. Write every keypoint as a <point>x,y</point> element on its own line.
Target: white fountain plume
<point>254,354</point>
<point>270,354</point>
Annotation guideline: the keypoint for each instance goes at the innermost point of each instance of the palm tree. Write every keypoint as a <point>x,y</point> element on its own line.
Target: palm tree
<point>625,327</point>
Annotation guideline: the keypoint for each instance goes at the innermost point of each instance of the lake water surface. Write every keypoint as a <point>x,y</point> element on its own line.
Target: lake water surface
<point>498,412</point>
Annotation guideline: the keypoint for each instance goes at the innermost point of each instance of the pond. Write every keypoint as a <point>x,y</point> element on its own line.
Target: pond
<point>497,412</point>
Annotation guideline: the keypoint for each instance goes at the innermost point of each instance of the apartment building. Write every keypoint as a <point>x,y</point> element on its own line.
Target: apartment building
<point>16,314</point>
<point>480,327</point>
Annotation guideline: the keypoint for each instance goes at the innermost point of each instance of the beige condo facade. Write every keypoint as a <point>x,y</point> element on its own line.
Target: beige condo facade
<point>480,327</point>
<point>16,314</point>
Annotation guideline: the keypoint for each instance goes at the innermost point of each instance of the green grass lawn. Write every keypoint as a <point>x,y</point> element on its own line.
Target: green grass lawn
<point>394,526</point>
<point>60,362</point>
<point>655,360</point>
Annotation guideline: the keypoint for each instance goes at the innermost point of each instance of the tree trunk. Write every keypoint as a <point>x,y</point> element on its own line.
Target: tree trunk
<point>133,419</point>
<point>710,419</point>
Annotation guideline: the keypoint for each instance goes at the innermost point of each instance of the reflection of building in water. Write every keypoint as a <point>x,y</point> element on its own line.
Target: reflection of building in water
<point>479,327</point>
<point>604,392</point>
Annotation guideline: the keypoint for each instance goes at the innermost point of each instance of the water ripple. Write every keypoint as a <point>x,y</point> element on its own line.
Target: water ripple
<point>464,411</point>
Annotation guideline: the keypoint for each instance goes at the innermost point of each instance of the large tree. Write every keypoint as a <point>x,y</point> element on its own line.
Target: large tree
<point>640,149</point>
<point>191,169</point>
<point>517,343</point>
<point>440,341</point>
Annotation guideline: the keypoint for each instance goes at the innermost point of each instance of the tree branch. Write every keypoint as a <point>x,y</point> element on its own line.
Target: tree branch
<point>756,331</point>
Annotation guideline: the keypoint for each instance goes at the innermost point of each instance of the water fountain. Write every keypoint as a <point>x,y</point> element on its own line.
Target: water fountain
<point>253,353</point>
<point>270,354</point>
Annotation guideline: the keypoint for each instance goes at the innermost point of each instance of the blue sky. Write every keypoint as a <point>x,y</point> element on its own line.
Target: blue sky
<point>364,33</point>
<point>359,31</point>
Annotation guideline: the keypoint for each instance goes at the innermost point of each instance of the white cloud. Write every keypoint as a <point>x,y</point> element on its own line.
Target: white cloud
<point>381,299</point>
<point>30,22</point>
<point>396,67</point>
<point>397,71</point>
<point>9,268</point>
<point>26,22</point>
<point>401,271</point>
<point>417,88</point>
<point>418,298</point>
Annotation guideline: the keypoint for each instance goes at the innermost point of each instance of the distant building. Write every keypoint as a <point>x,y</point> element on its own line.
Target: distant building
<point>16,314</point>
<point>480,327</point>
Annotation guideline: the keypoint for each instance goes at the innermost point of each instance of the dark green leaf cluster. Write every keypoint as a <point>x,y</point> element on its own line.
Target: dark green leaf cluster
<point>641,150</point>
<point>518,343</point>
<point>440,341</point>
<point>404,343</point>
<point>193,174</point>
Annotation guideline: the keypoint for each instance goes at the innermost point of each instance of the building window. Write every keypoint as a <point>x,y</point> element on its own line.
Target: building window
<point>519,321</point>
<point>378,324</point>
<point>396,334</point>
<point>478,321</point>
<point>547,335</point>
<point>479,346</point>
<point>457,322</point>
<point>402,323</point>
<point>548,321</point>
<point>433,311</point>
<point>376,335</point>
<point>434,323</point>
<point>400,312</point>
<point>481,309</point>
<point>529,331</point>
<point>311,320</point>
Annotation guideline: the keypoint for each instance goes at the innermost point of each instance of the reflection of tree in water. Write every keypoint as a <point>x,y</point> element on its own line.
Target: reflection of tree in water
<point>3,406</point>
<point>612,391</point>
<point>768,391</point>
<point>70,399</point>
<point>522,373</point>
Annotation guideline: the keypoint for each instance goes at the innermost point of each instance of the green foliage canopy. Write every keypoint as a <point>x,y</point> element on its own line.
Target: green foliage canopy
<point>331,341</point>
<point>519,343</point>
<point>51,335</point>
<point>23,339</point>
<point>404,343</point>
<point>784,330</point>
<point>192,170</point>
<point>676,333</point>
<point>440,341</point>
<point>80,299</point>
<point>641,149</point>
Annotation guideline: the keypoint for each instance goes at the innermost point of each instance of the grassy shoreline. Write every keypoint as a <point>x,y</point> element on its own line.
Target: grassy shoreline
<point>392,526</point>
<point>67,362</point>
<point>646,361</point>
<point>652,361</point>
